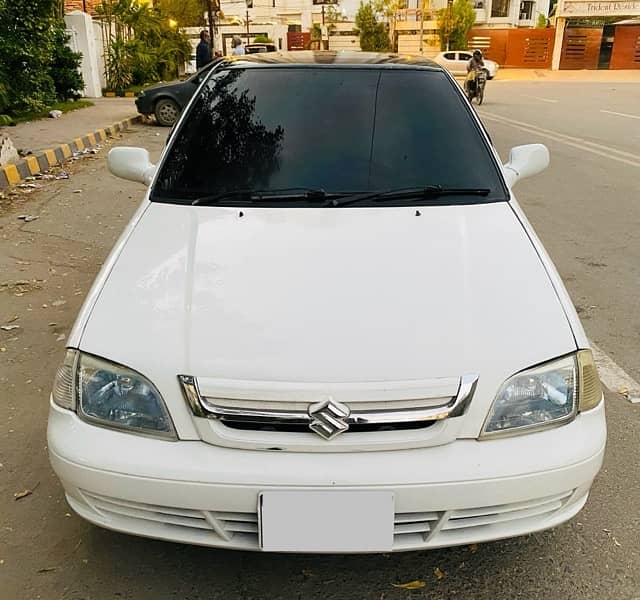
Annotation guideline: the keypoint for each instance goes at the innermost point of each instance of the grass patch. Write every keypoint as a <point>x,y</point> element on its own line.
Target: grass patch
<point>44,114</point>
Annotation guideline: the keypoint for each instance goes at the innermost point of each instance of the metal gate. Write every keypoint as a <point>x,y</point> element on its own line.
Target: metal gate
<point>626,48</point>
<point>581,48</point>
<point>530,48</point>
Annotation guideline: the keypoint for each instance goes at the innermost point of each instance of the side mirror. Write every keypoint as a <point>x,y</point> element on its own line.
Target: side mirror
<point>132,164</point>
<point>525,161</point>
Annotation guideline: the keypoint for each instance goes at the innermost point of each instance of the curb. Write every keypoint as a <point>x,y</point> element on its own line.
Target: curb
<point>45,159</point>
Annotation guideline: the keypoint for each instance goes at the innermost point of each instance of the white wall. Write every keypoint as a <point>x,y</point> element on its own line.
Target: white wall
<point>100,59</point>
<point>81,26</point>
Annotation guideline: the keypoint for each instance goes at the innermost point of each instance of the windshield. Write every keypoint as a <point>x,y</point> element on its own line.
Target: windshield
<point>331,129</point>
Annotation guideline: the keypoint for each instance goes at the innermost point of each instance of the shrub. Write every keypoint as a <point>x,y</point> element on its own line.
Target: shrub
<point>33,57</point>
<point>65,69</point>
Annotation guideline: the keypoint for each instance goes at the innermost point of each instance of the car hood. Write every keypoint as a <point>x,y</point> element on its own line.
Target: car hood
<point>165,86</point>
<point>328,295</point>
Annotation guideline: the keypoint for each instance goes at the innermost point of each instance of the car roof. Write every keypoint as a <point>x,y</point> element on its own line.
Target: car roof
<point>346,58</point>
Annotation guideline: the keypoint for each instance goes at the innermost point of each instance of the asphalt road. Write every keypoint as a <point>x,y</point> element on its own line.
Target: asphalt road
<point>584,207</point>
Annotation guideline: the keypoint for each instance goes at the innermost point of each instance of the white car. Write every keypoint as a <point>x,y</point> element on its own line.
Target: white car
<point>456,62</point>
<point>331,338</point>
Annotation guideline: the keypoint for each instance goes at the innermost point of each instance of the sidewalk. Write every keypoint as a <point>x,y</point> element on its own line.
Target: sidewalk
<point>51,141</point>
<point>584,76</point>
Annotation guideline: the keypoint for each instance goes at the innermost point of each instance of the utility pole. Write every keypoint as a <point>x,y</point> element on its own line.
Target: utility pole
<point>210,20</point>
<point>322,33</point>
<point>449,22</point>
<point>422,28</point>
<point>249,5</point>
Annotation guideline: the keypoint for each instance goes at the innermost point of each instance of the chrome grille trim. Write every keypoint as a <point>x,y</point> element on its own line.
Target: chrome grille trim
<point>204,407</point>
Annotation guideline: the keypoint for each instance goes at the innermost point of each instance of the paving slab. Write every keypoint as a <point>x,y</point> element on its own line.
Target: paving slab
<point>45,143</point>
<point>42,134</point>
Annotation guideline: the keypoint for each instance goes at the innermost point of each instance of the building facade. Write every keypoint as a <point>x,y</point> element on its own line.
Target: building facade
<point>498,13</point>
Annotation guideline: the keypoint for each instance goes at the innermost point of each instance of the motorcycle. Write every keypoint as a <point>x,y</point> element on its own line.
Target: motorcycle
<point>475,87</point>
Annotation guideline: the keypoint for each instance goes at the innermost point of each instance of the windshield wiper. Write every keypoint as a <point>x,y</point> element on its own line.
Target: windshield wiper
<point>233,197</point>
<point>428,192</point>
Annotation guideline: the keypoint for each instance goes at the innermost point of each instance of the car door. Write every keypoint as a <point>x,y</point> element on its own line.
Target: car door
<point>449,62</point>
<point>462,61</point>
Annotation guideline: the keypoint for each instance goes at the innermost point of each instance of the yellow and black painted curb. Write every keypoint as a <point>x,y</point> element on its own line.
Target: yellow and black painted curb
<point>42,161</point>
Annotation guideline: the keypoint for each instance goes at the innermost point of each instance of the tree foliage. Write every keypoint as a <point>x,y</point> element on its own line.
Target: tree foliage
<point>142,45</point>
<point>374,35</point>
<point>188,13</point>
<point>65,67</point>
<point>454,24</point>
<point>36,68</point>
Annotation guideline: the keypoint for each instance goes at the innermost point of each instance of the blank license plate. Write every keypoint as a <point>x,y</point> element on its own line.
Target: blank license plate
<point>326,521</point>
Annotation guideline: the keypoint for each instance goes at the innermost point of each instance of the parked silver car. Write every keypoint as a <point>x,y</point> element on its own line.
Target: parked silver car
<point>455,61</point>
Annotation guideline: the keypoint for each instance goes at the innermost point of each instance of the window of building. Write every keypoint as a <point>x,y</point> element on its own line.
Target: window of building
<point>500,8</point>
<point>526,10</point>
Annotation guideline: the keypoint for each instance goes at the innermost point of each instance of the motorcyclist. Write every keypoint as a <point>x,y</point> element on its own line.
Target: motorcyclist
<point>475,64</point>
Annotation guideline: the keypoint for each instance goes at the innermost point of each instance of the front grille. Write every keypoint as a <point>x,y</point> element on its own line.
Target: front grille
<point>219,526</point>
<point>450,527</point>
<point>412,530</point>
<point>304,428</point>
<point>349,408</point>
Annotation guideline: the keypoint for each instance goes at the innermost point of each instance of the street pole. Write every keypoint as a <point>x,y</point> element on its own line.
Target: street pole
<point>422,27</point>
<point>248,40</point>
<point>210,20</point>
<point>322,31</point>
<point>449,23</point>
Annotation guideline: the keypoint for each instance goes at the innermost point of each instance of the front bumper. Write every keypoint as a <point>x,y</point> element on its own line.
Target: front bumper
<point>460,493</point>
<point>144,105</point>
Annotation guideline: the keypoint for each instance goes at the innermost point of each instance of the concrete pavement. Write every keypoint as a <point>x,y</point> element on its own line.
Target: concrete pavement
<point>606,76</point>
<point>49,142</point>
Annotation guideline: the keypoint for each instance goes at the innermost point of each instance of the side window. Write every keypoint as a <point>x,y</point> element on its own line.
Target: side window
<point>450,55</point>
<point>464,56</point>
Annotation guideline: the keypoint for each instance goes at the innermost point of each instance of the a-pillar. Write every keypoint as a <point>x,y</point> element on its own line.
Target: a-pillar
<point>561,24</point>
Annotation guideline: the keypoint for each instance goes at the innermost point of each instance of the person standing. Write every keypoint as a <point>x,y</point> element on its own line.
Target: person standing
<point>237,49</point>
<point>203,51</point>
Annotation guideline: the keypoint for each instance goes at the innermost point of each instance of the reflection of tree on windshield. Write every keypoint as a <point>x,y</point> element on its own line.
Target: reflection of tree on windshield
<point>222,146</point>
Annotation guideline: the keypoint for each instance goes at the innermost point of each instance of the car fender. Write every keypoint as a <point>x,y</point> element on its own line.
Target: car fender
<point>73,341</point>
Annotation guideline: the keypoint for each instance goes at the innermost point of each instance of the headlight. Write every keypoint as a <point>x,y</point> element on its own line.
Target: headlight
<point>543,396</point>
<point>108,394</point>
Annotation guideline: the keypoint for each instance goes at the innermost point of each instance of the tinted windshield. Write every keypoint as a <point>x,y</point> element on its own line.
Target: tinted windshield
<point>339,130</point>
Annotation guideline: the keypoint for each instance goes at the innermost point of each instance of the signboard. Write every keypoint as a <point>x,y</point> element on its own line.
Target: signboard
<point>607,8</point>
<point>316,2</point>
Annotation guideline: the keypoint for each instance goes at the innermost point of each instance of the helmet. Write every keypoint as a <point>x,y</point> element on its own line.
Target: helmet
<point>477,53</point>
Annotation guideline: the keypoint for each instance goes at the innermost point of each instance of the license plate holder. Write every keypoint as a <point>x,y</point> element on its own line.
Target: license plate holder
<point>326,521</point>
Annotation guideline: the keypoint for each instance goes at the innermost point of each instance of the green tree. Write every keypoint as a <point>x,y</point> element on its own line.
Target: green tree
<point>33,57</point>
<point>541,22</point>
<point>188,13</point>
<point>374,36</point>
<point>142,44</point>
<point>454,24</point>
